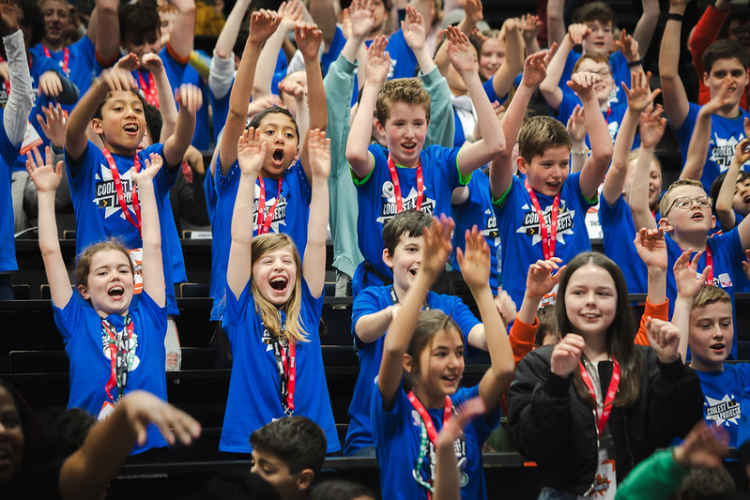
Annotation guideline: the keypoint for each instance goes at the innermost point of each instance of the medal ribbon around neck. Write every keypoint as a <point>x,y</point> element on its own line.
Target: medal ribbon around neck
<point>121,192</point>
<point>397,185</point>
<point>118,357</point>
<point>549,236</point>
<point>614,383</point>
<point>265,218</point>
<point>66,58</point>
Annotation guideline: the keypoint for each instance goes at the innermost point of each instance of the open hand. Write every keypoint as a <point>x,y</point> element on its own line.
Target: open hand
<point>263,23</point>
<point>378,62</point>
<point>704,446</point>
<point>319,153</point>
<point>308,38</point>
<point>505,306</point>
<point>474,261</point>
<point>462,54</point>
<point>686,275</point>
<point>651,248</point>
<point>582,84</point>
<point>722,98</point>
<point>154,163</point>
<point>535,68</point>
<point>652,126</point>
<point>251,152</point>
<point>142,409</point>
<point>290,14</point>
<point>628,46</point>
<point>45,175</point>
<point>576,125</point>
<point>53,124</point>
<point>437,246</point>
<point>454,426</point>
<point>542,277</point>
<point>116,79</point>
<point>641,95</point>
<point>361,20</point>
<point>413,29</point>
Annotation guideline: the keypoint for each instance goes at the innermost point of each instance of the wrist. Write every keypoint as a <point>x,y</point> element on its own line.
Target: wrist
<point>656,271</point>
<point>579,148</point>
<point>678,454</point>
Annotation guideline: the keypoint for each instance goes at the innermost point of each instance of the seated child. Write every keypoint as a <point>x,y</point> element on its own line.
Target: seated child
<point>375,308</point>
<point>288,453</point>
<point>404,175</point>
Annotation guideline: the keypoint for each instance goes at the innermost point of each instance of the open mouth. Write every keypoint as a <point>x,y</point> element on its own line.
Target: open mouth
<point>746,198</point>
<point>131,128</point>
<point>697,216</point>
<point>279,283</point>
<point>277,155</point>
<point>116,291</point>
<point>451,379</point>
<point>413,271</point>
<point>718,347</point>
<point>591,316</point>
<point>408,146</point>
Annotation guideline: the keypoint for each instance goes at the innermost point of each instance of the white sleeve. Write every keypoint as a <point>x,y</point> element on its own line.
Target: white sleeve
<point>21,98</point>
<point>221,75</point>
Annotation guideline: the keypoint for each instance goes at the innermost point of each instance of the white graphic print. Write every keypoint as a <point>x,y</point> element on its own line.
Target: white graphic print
<point>530,225</point>
<point>723,411</point>
<point>279,213</point>
<point>410,202</point>
<point>722,150</point>
<point>106,193</point>
<point>133,360</point>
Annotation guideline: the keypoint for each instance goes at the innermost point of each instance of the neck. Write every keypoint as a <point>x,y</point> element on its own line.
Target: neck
<point>53,44</point>
<point>400,291</point>
<point>732,111</point>
<point>695,241</point>
<point>428,398</point>
<point>405,164</point>
<point>117,150</point>
<point>596,347</point>
<point>104,314</point>
<point>704,366</point>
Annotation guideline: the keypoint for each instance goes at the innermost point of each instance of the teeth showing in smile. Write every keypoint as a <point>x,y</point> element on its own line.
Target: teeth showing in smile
<point>116,291</point>
<point>278,283</point>
<point>131,127</point>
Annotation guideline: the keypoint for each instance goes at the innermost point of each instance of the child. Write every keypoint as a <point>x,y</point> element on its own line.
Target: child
<point>543,216</point>
<point>114,339</point>
<point>731,195</point>
<point>704,314</point>
<point>283,191</point>
<point>725,63</point>
<point>651,397</point>
<point>403,175</point>
<point>375,308</point>
<point>420,372</point>
<point>274,303</point>
<point>288,453</point>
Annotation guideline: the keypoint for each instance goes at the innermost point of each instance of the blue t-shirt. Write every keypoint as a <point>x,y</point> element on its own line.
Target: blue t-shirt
<point>99,215</point>
<point>82,65</point>
<point>726,133</point>
<point>727,269</point>
<point>377,202</point>
<point>520,233</point>
<point>334,49</point>
<point>87,346</point>
<point>618,233</point>
<point>371,300</point>
<point>618,65</point>
<point>489,89</point>
<point>254,389</point>
<point>725,393</point>
<point>403,61</point>
<point>614,114</point>
<point>397,434</point>
<point>8,155</point>
<point>289,217</point>
<point>477,210</point>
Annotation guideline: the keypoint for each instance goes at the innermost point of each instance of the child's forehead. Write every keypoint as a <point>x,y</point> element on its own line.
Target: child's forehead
<point>686,190</point>
<point>108,256</point>
<point>719,308</point>
<point>556,153</point>
<point>591,65</point>
<point>122,96</point>
<point>727,64</point>
<point>446,337</point>
<point>277,120</point>
<point>403,109</point>
<point>598,23</point>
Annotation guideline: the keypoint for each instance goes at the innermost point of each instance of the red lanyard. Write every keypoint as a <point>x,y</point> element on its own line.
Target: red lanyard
<point>66,57</point>
<point>397,185</point>
<point>120,191</point>
<point>601,420</point>
<point>290,368</point>
<point>709,262</point>
<point>112,382</point>
<point>149,91</point>
<point>265,219</point>
<point>549,237</point>
<point>447,412</point>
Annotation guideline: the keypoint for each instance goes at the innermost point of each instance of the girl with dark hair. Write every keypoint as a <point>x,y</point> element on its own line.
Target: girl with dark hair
<point>595,403</point>
<point>420,372</point>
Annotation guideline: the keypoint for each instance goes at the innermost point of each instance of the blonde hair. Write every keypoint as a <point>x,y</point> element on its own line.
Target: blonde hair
<point>666,203</point>
<point>270,315</point>
<point>709,294</point>
<point>83,266</point>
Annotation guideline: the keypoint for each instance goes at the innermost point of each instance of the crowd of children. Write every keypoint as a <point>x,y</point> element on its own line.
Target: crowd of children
<point>417,140</point>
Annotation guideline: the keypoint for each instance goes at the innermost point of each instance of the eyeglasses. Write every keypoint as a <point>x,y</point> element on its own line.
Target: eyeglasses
<point>685,202</point>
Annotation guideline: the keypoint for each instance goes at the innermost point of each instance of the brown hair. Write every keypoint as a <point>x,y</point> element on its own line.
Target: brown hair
<point>408,90</point>
<point>619,335</point>
<point>538,134</point>
<point>594,11</point>
<point>429,323</point>
<point>666,203</point>
<point>83,266</point>
<point>410,222</point>
<point>597,58</point>
<point>269,313</point>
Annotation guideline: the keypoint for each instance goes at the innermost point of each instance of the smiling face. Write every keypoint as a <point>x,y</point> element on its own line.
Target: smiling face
<point>278,130</point>
<point>405,261</point>
<point>405,131</point>
<point>491,57</point>
<point>711,335</point>
<point>440,367</point>
<point>275,275</point>
<point>547,173</point>
<point>591,300</point>
<point>600,40</point>
<point>603,89</point>
<point>689,209</point>
<point>11,437</point>
<point>109,285</point>
<point>122,123</point>
<point>56,16</point>
<point>727,69</point>
<point>741,199</point>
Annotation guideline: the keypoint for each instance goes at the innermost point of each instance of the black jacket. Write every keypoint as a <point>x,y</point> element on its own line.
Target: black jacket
<point>553,426</point>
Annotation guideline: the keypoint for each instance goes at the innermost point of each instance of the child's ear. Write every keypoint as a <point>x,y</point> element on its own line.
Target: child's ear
<point>96,126</point>
<point>379,127</point>
<point>665,225</point>
<point>522,165</point>
<point>305,479</point>
<point>84,292</point>
<point>388,258</point>
<point>407,363</point>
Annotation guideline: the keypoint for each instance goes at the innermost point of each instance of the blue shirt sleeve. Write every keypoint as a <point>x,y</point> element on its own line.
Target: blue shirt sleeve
<point>463,316</point>
<point>365,303</point>
<point>158,315</point>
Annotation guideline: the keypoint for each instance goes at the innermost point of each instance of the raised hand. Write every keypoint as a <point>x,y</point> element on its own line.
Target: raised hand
<point>153,164</point>
<point>361,20</point>
<point>251,152</point>
<point>686,275</point>
<point>742,151</point>
<point>535,68</point>
<point>292,87</point>
<point>53,124</point>
<point>474,261</point>
<point>628,46</point>
<point>308,38</point>
<point>116,78</point>
<point>462,54</point>
<point>542,277</point>
<point>505,306</point>
<point>142,409</point>
<point>651,248</point>
<point>50,84</point>
<point>257,105</point>
<point>652,126</point>
<point>10,13</point>
<point>263,23</point>
<point>704,446</point>
<point>473,10</point>
<point>378,62</point>
<point>437,246</point>
<point>290,14</point>
<point>664,338</point>
<point>566,355</point>
<point>189,98</point>
<point>640,96</point>
<point>576,125</point>
<point>319,152</point>
<point>128,62</point>
<point>45,175</point>
<point>454,426</point>
<point>530,25</point>
<point>151,62</point>
<point>413,29</point>
<point>577,32</point>
<point>582,84</point>
<point>721,99</point>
